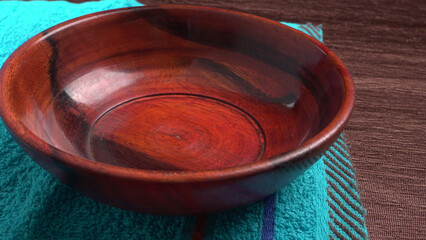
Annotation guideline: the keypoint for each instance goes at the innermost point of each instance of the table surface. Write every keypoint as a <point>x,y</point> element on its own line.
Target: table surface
<point>383,45</point>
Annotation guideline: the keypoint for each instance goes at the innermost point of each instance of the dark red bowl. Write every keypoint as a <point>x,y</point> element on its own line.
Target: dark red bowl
<point>174,109</point>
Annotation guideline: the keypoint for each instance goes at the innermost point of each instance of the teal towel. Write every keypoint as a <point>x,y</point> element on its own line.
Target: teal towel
<point>322,203</point>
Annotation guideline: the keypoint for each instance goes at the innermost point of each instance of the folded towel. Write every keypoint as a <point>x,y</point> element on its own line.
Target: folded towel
<point>322,203</point>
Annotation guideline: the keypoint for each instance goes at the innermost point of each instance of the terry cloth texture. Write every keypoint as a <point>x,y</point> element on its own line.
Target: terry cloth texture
<point>323,203</point>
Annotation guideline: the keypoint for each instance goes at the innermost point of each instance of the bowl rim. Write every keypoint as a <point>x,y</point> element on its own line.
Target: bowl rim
<point>306,150</point>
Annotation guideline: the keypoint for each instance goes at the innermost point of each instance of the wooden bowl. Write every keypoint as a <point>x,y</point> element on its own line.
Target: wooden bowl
<point>174,109</point>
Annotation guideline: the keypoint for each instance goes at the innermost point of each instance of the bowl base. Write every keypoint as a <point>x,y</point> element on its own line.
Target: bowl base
<point>176,132</point>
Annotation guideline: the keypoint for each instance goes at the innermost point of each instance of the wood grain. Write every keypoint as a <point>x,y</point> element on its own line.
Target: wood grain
<point>383,43</point>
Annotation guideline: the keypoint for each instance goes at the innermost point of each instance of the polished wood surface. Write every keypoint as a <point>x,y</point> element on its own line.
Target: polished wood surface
<point>383,45</point>
<point>162,110</point>
<point>176,132</point>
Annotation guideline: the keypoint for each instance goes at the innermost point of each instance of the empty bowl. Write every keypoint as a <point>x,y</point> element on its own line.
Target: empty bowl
<point>174,109</point>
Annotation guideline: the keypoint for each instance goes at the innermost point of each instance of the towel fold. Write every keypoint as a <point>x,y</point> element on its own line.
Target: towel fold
<point>322,203</point>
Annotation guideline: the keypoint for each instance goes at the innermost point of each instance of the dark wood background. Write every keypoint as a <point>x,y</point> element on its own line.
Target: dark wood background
<point>383,43</point>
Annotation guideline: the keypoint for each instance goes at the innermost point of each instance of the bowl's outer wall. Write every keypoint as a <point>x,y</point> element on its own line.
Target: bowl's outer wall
<point>170,198</point>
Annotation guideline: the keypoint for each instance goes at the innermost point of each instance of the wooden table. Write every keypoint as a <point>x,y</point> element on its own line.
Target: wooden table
<point>383,43</point>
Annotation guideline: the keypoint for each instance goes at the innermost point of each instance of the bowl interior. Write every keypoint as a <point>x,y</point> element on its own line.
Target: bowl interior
<point>173,89</point>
